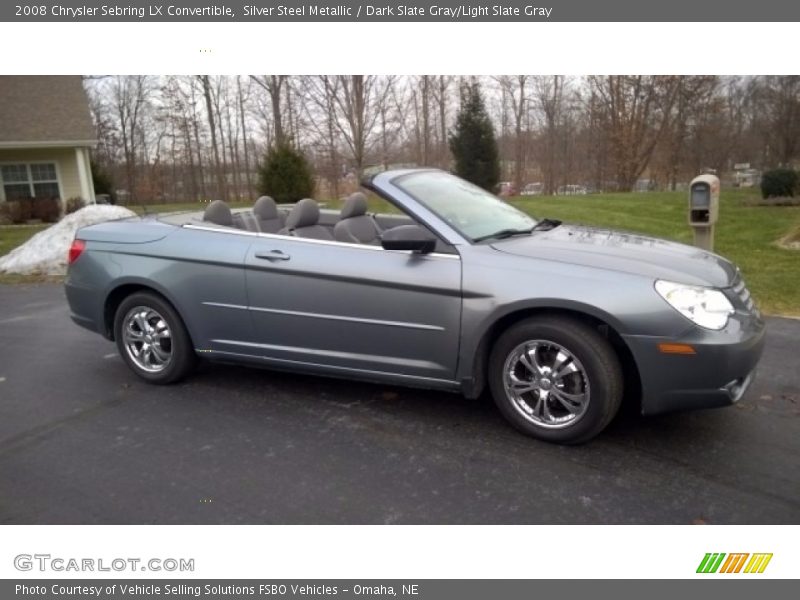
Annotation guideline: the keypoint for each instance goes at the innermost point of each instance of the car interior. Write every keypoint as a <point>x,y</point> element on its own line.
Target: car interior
<point>305,219</point>
<point>355,225</point>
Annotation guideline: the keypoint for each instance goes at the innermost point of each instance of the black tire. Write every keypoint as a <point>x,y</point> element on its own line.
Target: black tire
<point>182,357</point>
<point>601,374</point>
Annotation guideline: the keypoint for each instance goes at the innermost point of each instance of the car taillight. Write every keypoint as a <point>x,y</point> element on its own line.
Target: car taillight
<point>75,250</point>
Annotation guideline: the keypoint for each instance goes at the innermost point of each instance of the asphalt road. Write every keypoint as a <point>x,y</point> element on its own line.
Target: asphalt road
<point>83,440</point>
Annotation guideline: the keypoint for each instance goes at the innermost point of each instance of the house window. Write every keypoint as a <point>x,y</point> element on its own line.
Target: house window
<point>35,180</point>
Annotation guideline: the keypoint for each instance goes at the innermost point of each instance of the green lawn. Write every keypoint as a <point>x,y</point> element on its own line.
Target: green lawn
<point>13,235</point>
<point>746,234</point>
<point>793,237</point>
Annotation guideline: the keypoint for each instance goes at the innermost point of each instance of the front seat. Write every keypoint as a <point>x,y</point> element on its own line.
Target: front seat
<point>354,225</point>
<point>267,216</point>
<point>303,222</point>
<point>218,213</point>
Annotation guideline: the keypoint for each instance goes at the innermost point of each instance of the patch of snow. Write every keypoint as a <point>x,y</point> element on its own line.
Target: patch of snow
<point>46,252</point>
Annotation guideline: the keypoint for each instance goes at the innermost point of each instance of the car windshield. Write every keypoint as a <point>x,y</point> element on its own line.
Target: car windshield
<point>472,211</point>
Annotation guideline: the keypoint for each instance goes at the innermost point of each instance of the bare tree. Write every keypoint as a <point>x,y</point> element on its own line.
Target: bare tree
<point>740,97</point>
<point>356,105</point>
<point>425,126</point>
<point>232,125</point>
<point>193,136</point>
<point>692,97</point>
<point>128,99</point>
<point>400,99</point>
<point>221,188</point>
<point>320,107</point>
<point>516,91</point>
<point>441,96</point>
<point>242,99</point>
<point>637,110</point>
<point>196,132</point>
<point>781,98</point>
<point>273,84</point>
<point>549,97</point>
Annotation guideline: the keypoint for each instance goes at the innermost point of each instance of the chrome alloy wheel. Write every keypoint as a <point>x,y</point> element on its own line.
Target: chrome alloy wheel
<point>147,339</point>
<point>546,384</point>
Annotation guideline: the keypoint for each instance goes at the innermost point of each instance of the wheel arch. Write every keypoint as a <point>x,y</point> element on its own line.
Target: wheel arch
<point>609,327</point>
<point>122,290</point>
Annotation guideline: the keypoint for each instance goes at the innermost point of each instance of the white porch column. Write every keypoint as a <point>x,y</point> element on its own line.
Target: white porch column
<point>85,175</point>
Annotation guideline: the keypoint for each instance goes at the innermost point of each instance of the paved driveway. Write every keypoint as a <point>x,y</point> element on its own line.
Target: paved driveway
<point>82,440</point>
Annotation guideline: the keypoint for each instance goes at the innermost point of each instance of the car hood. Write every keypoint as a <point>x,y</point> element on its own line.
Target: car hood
<point>623,251</point>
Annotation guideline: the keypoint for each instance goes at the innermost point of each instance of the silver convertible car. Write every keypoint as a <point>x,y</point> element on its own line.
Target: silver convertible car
<point>458,291</point>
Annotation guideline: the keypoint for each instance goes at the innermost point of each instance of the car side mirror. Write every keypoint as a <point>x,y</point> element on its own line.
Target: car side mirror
<point>408,237</point>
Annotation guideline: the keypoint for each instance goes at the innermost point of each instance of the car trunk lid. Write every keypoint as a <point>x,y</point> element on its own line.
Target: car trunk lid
<point>115,232</point>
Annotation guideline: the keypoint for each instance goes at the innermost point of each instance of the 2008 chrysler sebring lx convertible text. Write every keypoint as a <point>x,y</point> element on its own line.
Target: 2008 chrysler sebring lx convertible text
<point>459,292</point>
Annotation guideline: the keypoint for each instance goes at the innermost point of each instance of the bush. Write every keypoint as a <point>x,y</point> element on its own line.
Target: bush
<point>285,175</point>
<point>19,211</point>
<point>11,211</point>
<point>25,210</point>
<point>101,178</point>
<point>46,209</point>
<point>73,204</point>
<point>779,183</point>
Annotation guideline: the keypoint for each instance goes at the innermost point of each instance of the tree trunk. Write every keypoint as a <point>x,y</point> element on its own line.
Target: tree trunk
<point>443,120</point>
<point>248,177</point>
<point>210,113</point>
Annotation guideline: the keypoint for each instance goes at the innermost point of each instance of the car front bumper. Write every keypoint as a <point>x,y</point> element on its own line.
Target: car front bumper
<point>717,373</point>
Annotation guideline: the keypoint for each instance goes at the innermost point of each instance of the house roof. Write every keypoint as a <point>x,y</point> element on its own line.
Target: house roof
<point>51,110</point>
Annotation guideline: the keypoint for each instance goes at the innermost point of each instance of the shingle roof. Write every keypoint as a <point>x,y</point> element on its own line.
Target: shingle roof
<point>48,109</point>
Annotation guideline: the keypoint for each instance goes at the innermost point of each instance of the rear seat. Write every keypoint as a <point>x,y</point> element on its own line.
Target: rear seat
<point>355,226</point>
<point>219,213</point>
<point>268,218</point>
<point>264,217</point>
<point>245,220</point>
<point>303,222</point>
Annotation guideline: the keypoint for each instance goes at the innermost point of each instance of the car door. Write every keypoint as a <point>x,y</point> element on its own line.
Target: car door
<point>356,307</point>
<point>203,268</point>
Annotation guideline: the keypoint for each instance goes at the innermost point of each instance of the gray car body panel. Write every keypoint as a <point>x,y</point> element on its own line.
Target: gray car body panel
<point>361,311</point>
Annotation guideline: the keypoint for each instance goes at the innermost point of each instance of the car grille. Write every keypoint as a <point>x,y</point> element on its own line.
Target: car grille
<point>741,291</point>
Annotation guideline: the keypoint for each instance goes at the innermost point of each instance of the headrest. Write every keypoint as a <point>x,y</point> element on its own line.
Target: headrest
<point>304,214</point>
<point>265,208</point>
<point>354,206</point>
<point>219,213</point>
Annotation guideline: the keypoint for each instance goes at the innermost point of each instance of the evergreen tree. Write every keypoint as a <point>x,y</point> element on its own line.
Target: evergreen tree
<point>103,183</point>
<point>473,143</point>
<point>285,175</point>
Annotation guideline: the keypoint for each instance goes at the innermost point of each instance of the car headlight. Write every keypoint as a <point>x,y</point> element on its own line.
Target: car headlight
<point>708,307</point>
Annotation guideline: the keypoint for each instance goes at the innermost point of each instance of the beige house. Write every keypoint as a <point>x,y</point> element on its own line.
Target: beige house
<point>46,132</point>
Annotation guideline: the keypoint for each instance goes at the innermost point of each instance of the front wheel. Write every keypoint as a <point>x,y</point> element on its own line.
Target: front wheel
<point>152,339</point>
<point>556,379</point>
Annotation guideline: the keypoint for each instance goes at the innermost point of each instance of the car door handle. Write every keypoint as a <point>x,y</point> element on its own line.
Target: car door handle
<point>273,255</point>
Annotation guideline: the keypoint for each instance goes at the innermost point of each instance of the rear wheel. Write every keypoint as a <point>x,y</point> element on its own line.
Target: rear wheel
<point>152,339</point>
<point>556,378</point>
